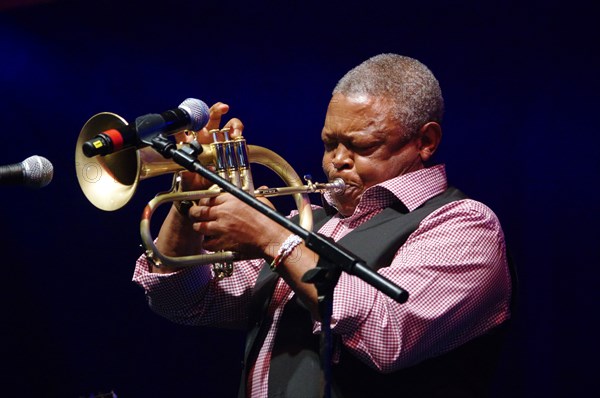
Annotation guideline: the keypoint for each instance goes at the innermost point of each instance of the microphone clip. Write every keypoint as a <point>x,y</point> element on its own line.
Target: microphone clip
<point>186,155</point>
<point>163,145</point>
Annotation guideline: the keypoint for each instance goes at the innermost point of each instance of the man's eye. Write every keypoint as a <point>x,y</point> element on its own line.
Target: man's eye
<point>363,147</point>
<point>329,146</point>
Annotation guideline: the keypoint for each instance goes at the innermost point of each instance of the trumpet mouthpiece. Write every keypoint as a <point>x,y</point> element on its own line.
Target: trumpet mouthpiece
<point>338,186</point>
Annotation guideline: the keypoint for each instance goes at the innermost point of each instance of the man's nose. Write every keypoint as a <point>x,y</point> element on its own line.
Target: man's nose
<point>342,158</point>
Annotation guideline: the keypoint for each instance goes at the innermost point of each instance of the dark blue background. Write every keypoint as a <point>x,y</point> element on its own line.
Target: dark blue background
<point>521,89</point>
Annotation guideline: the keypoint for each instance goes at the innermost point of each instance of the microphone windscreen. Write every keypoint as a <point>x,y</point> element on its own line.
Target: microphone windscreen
<point>198,112</point>
<point>37,171</point>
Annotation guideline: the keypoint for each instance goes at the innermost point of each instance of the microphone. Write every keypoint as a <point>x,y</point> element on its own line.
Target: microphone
<point>34,172</point>
<point>192,114</point>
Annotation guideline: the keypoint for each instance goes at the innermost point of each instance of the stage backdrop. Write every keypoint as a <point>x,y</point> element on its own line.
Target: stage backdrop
<point>520,83</point>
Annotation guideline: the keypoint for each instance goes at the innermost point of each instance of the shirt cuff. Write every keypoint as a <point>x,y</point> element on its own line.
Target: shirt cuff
<point>188,279</point>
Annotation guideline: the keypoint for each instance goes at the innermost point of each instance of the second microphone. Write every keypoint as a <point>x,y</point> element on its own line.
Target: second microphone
<point>192,114</point>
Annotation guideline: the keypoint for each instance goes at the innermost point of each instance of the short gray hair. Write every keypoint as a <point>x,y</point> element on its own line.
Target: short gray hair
<point>413,89</point>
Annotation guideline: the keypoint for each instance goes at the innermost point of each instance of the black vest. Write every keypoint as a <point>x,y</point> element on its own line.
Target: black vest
<point>295,368</point>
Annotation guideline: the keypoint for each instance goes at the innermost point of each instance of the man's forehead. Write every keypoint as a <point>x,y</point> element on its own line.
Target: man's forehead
<point>355,98</point>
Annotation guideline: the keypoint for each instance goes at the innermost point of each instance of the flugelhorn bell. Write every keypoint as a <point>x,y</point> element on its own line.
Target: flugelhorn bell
<point>110,181</point>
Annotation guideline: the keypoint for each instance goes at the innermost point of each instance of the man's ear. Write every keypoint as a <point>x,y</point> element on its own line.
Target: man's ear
<point>430,136</point>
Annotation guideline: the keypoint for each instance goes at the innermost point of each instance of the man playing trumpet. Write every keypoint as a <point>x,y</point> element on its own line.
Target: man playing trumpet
<point>381,130</point>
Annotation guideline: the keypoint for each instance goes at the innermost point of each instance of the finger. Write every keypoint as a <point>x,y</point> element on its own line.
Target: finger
<point>201,213</point>
<point>183,136</point>
<point>265,200</point>
<point>235,126</point>
<point>216,112</point>
<point>211,201</point>
<point>268,203</point>
<point>206,228</point>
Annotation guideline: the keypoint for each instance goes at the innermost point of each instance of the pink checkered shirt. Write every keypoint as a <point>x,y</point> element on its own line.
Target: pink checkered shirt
<point>454,267</point>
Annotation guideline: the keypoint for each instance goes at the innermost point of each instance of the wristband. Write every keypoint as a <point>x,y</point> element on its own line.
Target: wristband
<point>285,250</point>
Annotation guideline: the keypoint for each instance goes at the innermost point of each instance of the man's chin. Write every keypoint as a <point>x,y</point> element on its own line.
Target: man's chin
<point>345,208</point>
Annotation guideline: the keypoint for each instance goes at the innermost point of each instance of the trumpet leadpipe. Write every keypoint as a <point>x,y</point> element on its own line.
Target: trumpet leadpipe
<point>336,186</point>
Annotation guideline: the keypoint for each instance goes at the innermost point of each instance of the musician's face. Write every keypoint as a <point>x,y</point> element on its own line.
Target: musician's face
<point>364,147</point>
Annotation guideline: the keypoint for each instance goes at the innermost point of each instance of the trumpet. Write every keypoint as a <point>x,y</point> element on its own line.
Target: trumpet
<point>109,182</point>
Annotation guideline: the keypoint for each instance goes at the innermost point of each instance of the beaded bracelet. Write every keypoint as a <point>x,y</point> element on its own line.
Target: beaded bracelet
<point>285,250</point>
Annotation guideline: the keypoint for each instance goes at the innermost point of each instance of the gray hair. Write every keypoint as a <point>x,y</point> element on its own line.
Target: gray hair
<point>413,89</point>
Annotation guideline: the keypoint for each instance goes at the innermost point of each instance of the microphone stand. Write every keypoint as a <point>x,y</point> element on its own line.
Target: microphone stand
<point>333,258</point>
